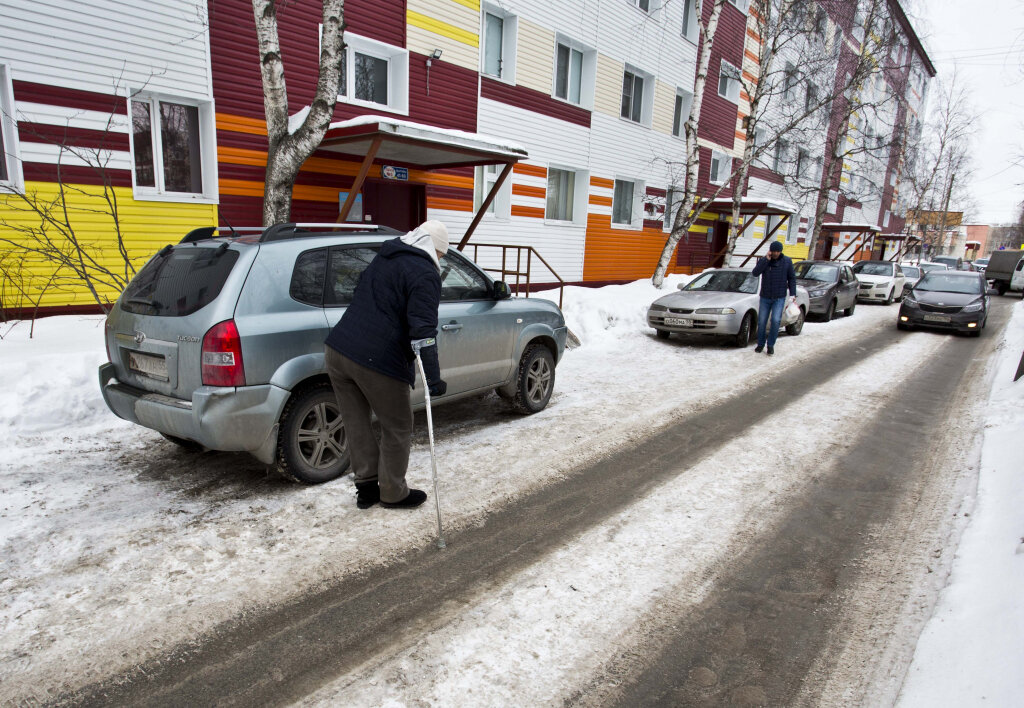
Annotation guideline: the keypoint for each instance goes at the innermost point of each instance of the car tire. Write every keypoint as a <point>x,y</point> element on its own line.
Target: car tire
<point>903,327</point>
<point>798,326</point>
<point>187,445</point>
<point>830,313</point>
<point>662,333</point>
<point>1001,288</point>
<point>848,312</point>
<point>535,380</point>
<point>746,330</point>
<point>311,443</point>
<point>889,297</point>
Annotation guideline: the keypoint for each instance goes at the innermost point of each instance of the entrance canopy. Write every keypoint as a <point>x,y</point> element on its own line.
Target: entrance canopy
<point>861,230</point>
<point>408,144</point>
<point>753,208</point>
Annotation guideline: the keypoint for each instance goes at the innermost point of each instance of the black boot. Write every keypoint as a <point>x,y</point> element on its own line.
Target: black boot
<point>367,494</point>
<point>414,498</point>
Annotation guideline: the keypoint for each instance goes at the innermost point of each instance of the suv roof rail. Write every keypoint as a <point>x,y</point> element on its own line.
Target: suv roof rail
<point>204,233</point>
<point>289,230</point>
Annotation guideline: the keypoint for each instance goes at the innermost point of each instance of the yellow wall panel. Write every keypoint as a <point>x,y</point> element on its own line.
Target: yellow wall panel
<point>146,227</point>
<point>664,107</point>
<point>425,42</point>
<point>535,60</point>
<point>608,91</point>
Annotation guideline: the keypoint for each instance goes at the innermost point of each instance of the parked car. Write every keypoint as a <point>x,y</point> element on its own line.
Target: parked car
<point>722,302</point>
<point>880,281</point>
<point>980,264</point>
<point>947,300</point>
<point>928,266</point>
<point>911,274</point>
<point>1001,267</point>
<point>1017,280</point>
<point>830,287</point>
<point>951,262</point>
<point>218,342</point>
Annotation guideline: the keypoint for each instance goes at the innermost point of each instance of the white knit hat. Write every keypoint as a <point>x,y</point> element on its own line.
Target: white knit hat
<point>438,234</point>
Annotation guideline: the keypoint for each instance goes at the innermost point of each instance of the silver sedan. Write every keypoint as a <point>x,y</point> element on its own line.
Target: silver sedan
<point>722,302</point>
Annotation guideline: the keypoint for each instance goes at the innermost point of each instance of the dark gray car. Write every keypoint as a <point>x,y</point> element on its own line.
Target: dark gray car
<point>830,287</point>
<point>218,342</point>
<point>946,299</point>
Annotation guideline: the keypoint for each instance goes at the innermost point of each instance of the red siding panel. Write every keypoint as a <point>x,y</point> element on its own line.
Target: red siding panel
<point>70,174</point>
<point>69,98</point>
<point>718,115</point>
<point>533,100</point>
<point>72,137</point>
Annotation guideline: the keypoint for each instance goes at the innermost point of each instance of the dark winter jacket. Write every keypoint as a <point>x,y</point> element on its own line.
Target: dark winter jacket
<point>395,302</point>
<point>776,277</point>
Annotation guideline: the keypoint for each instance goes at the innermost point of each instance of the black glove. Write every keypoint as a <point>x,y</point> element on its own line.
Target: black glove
<point>438,388</point>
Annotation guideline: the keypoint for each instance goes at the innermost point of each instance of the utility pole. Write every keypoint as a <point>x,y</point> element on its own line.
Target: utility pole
<point>945,210</point>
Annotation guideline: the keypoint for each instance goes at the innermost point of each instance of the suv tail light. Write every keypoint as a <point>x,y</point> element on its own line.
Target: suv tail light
<point>222,356</point>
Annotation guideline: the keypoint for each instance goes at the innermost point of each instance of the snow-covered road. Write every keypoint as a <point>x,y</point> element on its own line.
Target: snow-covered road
<point>117,546</point>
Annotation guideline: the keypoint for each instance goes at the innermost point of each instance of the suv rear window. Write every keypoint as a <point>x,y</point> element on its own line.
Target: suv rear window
<point>178,281</point>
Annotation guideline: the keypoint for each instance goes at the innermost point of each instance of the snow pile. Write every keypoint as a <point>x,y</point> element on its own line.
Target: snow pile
<point>971,651</point>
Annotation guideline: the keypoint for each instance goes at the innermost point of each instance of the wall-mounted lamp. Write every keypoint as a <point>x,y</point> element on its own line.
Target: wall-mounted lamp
<point>436,54</point>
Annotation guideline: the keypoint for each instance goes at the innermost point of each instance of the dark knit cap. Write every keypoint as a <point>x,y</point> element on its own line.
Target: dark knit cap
<point>776,246</point>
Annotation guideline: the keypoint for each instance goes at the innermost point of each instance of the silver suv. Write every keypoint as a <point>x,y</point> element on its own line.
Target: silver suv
<point>218,342</point>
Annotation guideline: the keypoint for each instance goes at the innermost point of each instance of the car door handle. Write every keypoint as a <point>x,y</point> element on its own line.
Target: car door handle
<point>451,327</point>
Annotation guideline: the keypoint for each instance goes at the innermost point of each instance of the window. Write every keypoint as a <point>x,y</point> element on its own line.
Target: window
<point>644,5</point>
<point>721,167</point>
<point>575,71</point>
<point>171,146</point>
<point>632,96</point>
<point>741,4</point>
<point>486,176</point>
<point>499,43</point>
<point>729,82</point>
<point>308,277</point>
<point>811,97</point>
<point>820,19</point>
<point>779,158</point>
<point>673,200</point>
<point>691,29</point>
<point>789,82</point>
<point>684,100</point>
<point>461,281</point>
<point>177,282</point>
<point>623,202</point>
<point>561,194</point>
<point>10,164</point>
<point>346,266</point>
<point>802,162</point>
<point>374,74</point>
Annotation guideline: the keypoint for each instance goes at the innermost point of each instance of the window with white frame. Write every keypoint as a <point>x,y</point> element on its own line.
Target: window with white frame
<point>562,195</point>
<point>729,82</point>
<point>789,82</point>
<point>172,146</point>
<point>779,157</point>
<point>691,30</point>
<point>374,74</point>
<point>485,177</point>
<point>802,163</point>
<point>684,101</point>
<point>741,4</point>
<point>575,71</point>
<point>811,97</point>
<point>721,167</point>
<point>498,58</point>
<point>644,5</point>
<point>636,96</point>
<point>624,201</point>
<point>10,163</point>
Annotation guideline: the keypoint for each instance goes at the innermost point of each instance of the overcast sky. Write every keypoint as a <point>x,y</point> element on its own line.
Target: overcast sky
<point>984,42</point>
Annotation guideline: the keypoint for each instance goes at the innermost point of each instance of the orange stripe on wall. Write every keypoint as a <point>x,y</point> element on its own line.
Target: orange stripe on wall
<point>740,135</point>
<point>621,254</point>
<point>754,35</point>
<point>522,168</point>
<point>241,188</point>
<point>241,124</point>
<point>602,182</point>
<point>600,201</point>
<point>533,212</point>
<point>751,56</point>
<point>528,191</point>
<point>449,204</point>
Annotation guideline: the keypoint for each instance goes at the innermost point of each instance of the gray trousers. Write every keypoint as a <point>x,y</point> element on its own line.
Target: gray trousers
<point>361,393</point>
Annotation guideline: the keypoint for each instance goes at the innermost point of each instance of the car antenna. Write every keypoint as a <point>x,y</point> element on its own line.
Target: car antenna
<point>225,220</point>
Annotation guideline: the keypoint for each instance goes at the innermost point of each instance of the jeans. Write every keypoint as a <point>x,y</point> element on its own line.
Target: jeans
<point>770,306</point>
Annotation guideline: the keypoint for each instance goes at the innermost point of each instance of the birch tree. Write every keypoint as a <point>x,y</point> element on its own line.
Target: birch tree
<point>287,150</point>
<point>685,215</point>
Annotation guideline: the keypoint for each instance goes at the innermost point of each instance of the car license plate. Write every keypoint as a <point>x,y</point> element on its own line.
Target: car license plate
<point>155,367</point>
<point>678,322</point>
<point>936,318</point>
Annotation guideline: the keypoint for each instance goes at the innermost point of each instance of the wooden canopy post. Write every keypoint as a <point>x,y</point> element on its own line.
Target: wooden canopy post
<point>783,220</point>
<point>364,169</point>
<point>859,237</point>
<point>485,204</point>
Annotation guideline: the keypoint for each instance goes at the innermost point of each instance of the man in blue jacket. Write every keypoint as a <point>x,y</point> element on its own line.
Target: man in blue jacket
<point>370,361</point>
<point>777,277</point>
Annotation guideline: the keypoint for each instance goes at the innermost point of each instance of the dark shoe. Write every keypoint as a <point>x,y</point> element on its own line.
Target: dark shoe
<point>367,494</point>
<point>759,348</point>
<point>771,350</point>
<point>414,498</point>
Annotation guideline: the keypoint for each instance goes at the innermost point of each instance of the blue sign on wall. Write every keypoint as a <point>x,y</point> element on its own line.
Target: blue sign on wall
<point>392,172</point>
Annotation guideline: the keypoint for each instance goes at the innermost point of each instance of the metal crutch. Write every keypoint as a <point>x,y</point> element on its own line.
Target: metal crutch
<point>430,436</point>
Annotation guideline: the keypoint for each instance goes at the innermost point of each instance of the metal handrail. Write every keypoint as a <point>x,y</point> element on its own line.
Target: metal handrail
<point>518,271</point>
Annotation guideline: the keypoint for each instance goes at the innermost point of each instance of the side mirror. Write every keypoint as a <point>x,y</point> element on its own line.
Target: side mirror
<point>681,286</point>
<point>501,291</point>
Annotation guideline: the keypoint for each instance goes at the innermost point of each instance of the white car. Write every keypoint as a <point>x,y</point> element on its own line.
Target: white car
<point>880,281</point>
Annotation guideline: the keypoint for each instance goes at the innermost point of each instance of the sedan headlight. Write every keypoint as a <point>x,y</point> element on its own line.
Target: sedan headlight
<point>715,311</point>
<point>908,301</point>
<point>973,307</point>
<point>658,308</point>
<point>814,294</point>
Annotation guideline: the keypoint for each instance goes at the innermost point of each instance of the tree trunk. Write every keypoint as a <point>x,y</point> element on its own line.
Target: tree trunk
<point>685,214</point>
<point>287,151</point>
